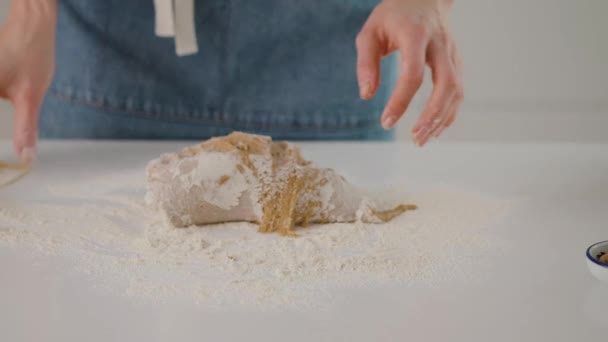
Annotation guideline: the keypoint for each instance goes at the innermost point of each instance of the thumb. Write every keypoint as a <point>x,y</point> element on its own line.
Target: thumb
<point>26,127</point>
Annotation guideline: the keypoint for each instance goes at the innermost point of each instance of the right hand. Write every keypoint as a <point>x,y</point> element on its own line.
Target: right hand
<point>27,63</point>
<point>419,30</point>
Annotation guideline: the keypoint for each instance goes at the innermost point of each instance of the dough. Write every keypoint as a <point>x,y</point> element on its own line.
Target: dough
<point>245,177</point>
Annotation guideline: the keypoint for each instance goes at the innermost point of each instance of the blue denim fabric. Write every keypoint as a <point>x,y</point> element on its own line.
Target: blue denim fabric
<point>285,68</point>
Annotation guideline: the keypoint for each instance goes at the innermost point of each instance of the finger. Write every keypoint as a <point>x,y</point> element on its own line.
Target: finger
<point>454,108</point>
<point>439,123</point>
<point>448,119</point>
<point>26,127</point>
<point>369,53</point>
<point>453,113</point>
<point>459,94</point>
<point>411,72</point>
<point>444,91</point>
<point>452,117</point>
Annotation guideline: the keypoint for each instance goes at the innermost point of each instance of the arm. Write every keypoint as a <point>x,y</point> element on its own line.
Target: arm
<point>27,60</point>
<point>418,30</point>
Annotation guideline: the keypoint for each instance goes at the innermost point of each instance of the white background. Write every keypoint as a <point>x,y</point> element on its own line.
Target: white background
<point>535,71</point>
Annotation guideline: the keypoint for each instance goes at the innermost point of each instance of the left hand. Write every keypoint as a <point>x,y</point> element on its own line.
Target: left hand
<point>27,63</point>
<point>418,30</point>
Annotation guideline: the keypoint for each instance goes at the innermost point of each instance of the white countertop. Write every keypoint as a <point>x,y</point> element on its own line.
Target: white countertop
<point>541,291</point>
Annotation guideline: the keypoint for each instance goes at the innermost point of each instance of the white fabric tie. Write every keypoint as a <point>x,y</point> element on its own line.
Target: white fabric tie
<point>175,18</point>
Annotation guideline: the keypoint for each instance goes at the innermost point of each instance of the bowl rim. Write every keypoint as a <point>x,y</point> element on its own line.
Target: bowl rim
<point>592,258</point>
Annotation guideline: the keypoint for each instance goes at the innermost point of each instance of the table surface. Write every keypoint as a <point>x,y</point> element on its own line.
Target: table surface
<point>540,291</point>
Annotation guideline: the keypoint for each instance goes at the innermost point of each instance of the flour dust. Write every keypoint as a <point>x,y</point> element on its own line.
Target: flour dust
<point>121,246</point>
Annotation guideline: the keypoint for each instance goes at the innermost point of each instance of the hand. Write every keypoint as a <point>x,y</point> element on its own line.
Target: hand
<point>418,30</point>
<point>27,62</point>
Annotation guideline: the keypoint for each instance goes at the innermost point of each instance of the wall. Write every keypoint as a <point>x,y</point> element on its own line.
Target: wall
<point>534,70</point>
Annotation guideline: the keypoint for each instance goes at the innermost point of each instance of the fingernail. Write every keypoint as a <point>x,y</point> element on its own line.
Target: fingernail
<point>419,125</point>
<point>365,89</point>
<point>388,121</point>
<point>421,135</point>
<point>438,131</point>
<point>28,155</point>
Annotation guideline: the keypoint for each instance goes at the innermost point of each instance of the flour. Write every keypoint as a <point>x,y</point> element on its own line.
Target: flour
<point>111,237</point>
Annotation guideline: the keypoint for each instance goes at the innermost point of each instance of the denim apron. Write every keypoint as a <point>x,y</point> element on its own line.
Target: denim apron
<point>284,68</point>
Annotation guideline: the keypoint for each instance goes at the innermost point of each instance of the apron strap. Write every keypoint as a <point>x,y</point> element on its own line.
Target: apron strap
<point>175,18</point>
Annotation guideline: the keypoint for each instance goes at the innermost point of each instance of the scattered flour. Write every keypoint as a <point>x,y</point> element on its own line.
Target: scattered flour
<point>110,237</point>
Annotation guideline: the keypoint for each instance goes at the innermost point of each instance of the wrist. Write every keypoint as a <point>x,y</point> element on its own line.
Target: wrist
<point>34,10</point>
<point>441,4</point>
